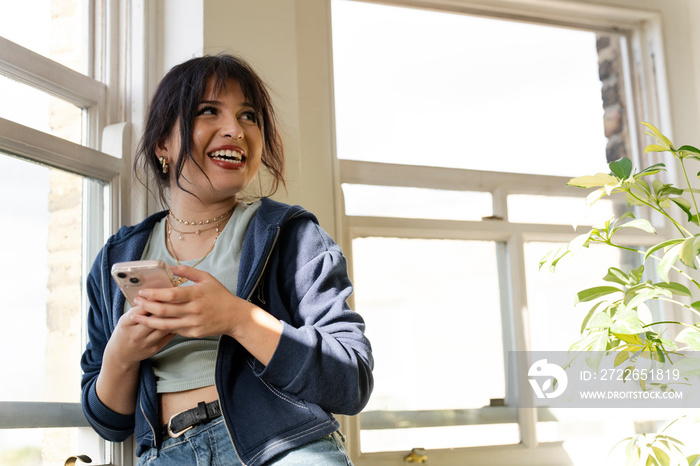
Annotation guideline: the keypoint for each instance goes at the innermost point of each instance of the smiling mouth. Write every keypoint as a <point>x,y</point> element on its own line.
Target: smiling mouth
<point>227,156</point>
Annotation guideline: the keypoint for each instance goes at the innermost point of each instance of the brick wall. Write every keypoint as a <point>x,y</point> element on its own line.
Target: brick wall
<point>614,99</point>
<point>63,306</point>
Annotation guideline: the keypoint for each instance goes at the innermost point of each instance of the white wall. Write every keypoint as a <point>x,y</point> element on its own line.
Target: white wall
<point>179,34</point>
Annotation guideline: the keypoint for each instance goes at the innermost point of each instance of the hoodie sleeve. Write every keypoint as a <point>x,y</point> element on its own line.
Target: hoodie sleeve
<point>108,424</point>
<point>323,355</point>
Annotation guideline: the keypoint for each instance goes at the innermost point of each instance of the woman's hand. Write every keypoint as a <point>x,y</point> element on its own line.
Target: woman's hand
<point>207,308</point>
<point>132,342</point>
<point>129,344</point>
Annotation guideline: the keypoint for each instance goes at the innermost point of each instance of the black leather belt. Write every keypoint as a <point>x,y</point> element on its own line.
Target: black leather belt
<point>186,420</point>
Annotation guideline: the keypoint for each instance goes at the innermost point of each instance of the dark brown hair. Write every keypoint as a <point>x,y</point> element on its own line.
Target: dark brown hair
<point>176,99</point>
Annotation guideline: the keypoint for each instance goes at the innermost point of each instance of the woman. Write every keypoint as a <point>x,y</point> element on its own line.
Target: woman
<point>245,361</point>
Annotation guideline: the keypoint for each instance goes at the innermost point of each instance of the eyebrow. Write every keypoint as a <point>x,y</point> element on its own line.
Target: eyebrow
<point>218,102</point>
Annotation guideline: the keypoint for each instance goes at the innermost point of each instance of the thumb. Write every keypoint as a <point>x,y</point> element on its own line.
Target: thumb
<point>190,273</point>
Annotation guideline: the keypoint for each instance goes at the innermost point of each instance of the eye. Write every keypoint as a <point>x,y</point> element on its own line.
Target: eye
<point>250,116</point>
<point>207,110</point>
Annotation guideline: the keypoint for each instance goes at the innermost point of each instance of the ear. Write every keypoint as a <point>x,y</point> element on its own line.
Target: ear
<point>163,149</point>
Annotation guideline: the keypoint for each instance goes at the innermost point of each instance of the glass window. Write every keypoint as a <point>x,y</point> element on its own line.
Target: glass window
<point>511,110</point>
<point>411,293</point>
<point>54,29</point>
<point>393,201</point>
<point>465,92</point>
<point>39,110</point>
<point>558,210</point>
<point>43,281</point>
<point>54,219</point>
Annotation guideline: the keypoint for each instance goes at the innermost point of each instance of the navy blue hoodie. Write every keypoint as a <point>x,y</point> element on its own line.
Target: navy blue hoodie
<point>323,363</point>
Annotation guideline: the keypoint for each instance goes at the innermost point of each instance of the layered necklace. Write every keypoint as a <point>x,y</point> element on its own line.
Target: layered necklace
<point>214,225</point>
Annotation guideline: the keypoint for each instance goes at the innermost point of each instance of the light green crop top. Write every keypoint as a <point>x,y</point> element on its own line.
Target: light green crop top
<point>189,363</point>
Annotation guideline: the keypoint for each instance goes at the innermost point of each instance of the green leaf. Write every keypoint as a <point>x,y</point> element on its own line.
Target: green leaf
<point>662,189</point>
<point>636,275</point>
<point>661,456</point>
<point>651,170</point>
<point>651,461</point>
<point>627,323</point>
<point>593,181</point>
<point>662,245</point>
<point>690,336</point>
<point>622,168</point>
<point>689,251</point>
<point>595,196</point>
<point>641,186</point>
<point>621,357</point>
<point>600,320</point>
<point>668,437</point>
<point>688,366</point>
<point>684,205</point>
<point>632,200</point>
<point>632,339</point>
<point>644,292</point>
<point>654,132</point>
<point>667,262</point>
<point>586,319</point>
<point>553,257</point>
<point>616,275</point>
<point>597,348</point>
<point>641,224</point>
<point>593,293</point>
<point>655,148</point>
<point>689,149</point>
<point>675,288</point>
<point>694,460</point>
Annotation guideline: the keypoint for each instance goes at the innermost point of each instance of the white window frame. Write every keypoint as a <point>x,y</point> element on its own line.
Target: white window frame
<point>646,102</point>
<point>118,42</point>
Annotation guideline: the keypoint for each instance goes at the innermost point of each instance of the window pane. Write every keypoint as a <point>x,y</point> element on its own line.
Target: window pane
<point>391,201</point>
<point>419,326</point>
<point>440,89</point>
<point>52,28</point>
<point>42,281</point>
<point>46,447</point>
<point>38,110</point>
<point>554,210</point>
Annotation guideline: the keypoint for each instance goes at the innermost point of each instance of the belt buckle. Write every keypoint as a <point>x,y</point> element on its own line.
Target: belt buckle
<point>176,434</point>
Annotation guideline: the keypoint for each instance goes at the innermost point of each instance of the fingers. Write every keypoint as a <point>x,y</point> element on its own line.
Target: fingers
<point>135,342</point>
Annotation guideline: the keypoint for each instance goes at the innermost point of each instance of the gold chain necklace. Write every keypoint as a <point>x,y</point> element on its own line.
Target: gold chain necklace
<point>169,245</point>
<point>171,228</point>
<point>203,222</point>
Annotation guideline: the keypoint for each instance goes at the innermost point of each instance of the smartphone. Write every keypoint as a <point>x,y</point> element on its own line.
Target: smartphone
<point>135,275</point>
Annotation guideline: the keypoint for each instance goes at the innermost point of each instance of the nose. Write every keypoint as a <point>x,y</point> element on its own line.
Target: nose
<point>231,129</point>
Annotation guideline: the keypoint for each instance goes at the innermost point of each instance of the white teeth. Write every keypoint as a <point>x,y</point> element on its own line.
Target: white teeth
<point>226,155</point>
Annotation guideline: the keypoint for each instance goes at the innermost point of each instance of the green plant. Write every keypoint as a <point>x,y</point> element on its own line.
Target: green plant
<point>657,449</point>
<point>613,323</point>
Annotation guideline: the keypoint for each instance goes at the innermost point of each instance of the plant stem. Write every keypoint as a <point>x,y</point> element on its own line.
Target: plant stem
<point>663,322</point>
<point>678,226</point>
<point>673,301</point>
<point>625,248</point>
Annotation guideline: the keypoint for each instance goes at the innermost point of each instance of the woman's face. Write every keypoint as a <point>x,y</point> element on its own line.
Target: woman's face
<point>226,143</point>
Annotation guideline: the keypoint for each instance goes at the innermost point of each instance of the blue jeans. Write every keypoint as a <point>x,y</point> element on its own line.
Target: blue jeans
<point>210,444</point>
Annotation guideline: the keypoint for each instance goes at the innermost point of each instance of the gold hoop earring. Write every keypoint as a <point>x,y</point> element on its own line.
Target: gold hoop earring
<point>163,163</point>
